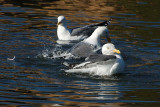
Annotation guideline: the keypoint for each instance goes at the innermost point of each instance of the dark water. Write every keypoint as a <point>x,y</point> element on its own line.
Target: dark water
<point>28,28</point>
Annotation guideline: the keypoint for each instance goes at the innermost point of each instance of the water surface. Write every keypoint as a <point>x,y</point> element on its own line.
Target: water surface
<point>28,29</point>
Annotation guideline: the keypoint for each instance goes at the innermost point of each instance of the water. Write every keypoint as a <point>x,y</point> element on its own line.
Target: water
<point>28,29</point>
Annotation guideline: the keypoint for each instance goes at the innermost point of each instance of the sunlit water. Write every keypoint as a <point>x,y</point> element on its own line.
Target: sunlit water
<point>37,77</point>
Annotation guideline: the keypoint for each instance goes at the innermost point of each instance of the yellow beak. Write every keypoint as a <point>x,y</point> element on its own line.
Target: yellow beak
<point>116,51</point>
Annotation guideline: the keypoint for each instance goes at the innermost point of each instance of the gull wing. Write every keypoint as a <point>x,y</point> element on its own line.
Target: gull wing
<point>82,49</point>
<point>100,57</point>
<point>88,29</point>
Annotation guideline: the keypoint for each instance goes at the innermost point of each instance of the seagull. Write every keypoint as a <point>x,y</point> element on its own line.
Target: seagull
<point>90,45</point>
<point>79,33</point>
<point>108,63</point>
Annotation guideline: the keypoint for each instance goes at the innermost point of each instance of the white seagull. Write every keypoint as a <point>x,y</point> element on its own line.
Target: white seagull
<point>91,44</point>
<point>79,33</point>
<point>108,63</point>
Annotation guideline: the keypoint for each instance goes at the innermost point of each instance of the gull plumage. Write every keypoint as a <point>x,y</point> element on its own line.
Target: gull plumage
<point>108,63</point>
<point>91,44</point>
<point>79,33</point>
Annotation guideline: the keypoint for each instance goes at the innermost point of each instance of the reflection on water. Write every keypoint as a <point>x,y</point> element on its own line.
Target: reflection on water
<point>28,28</point>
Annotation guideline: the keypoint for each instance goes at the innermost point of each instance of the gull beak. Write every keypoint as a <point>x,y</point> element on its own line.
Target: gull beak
<point>108,39</point>
<point>116,51</point>
<point>58,23</point>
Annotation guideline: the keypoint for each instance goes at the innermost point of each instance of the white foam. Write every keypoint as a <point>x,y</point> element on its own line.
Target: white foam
<point>55,53</point>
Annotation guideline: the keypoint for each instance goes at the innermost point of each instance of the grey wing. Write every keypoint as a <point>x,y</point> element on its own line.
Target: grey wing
<point>89,64</point>
<point>82,50</point>
<point>107,63</point>
<point>84,31</point>
<point>100,57</point>
<point>88,29</point>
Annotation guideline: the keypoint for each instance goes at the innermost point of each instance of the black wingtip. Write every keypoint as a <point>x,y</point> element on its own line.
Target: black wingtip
<point>108,22</point>
<point>105,23</point>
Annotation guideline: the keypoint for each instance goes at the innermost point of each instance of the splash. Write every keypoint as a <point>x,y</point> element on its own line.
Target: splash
<point>54,53</point>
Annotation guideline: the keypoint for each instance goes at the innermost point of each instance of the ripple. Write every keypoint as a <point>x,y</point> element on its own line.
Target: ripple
<point>36,76</point>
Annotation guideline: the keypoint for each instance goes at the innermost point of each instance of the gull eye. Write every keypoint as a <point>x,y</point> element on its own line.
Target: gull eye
<point>107,47</point>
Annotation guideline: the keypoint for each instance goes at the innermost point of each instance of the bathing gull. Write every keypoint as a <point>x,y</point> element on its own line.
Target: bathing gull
<point>79,33</point>
<point>108,63</point>
<point>90,45</point>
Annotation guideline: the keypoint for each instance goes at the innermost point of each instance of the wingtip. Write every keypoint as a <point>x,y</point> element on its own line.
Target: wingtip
<point>108,22</point>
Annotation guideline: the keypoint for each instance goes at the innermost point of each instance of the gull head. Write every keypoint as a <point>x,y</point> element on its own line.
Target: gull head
<point>94,39</point>
<point>61,20</point>
<point>109,49</point>
<point>102,31</point>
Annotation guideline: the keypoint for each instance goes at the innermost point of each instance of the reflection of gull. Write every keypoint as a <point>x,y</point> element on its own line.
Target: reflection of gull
<point>80,33</point>
<point>91,44</point>
<point>108,91</point>
<point>109,63</point>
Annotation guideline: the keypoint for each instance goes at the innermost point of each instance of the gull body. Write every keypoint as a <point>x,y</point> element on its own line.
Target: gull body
<point>91,44</point>
<point>80,33</point>
<point>108,63</point>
